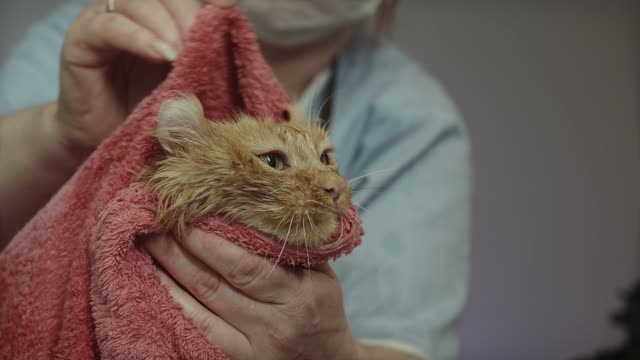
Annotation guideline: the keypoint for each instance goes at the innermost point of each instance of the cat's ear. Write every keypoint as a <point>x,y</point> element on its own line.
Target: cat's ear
<point>179,113</point>
<point>286,115</point>
<point>292,114</point>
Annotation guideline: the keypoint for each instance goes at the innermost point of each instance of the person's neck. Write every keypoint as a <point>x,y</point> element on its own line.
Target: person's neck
<point>296,67</point>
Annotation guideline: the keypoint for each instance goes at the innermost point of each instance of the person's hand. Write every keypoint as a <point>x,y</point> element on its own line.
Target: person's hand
<point>250,309</point>
<point>111,60</point>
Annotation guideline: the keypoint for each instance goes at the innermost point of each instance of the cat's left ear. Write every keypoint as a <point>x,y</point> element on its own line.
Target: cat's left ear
<point>292,114</point>
<point>179,113</point>
<point>286,115</point>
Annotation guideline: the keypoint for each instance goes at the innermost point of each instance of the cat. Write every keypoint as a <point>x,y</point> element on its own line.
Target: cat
<point>279,178</point>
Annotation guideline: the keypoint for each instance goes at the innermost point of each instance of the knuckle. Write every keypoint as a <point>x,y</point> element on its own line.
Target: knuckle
<point>206,287</point>
<point>117,26</point>
<point>77,37</point>
<point>310,313</point>
<point>310,309</point>
<point>247,271</point>
<point>299,321</point>
<point>106,23</point>
<point>286,339</point>
<point>100,28</point>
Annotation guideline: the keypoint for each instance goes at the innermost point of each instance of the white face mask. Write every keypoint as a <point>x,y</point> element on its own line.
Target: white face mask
<point>289,23</point>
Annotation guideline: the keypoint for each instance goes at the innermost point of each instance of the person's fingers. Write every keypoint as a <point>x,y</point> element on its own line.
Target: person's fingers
<point>251,274</point>
<point>152,15</point>
<point>231,341</point>
<point>202,282</point>
<point>183,12</point>
<point>95,38</point>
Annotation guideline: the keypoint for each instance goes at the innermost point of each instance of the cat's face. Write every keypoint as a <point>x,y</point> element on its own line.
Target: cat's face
<point>278,178</point>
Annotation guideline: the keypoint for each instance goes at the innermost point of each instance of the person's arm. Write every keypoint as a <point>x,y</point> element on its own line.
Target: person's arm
<point>35,162</point>
<point>43,145</point>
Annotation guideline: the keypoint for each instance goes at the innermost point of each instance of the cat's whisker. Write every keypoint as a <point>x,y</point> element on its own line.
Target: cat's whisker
<point>309,114</point>
<point>270,197</point>
<point>280,223</point>
<point>321,204</point>
<point>350,214</point>
<point>262,210</point>
<point>313,226</point>
<point>282,250</point>
<point>274,191</point>
<point>324,103</point>
<point>274,232</point>
<point>366,188</point>
<point>266,198</point>
<point>361,207</point>
<point>297,224</point>
<point>306,246</point>
<point>325,126</point>
<point>369,174</point>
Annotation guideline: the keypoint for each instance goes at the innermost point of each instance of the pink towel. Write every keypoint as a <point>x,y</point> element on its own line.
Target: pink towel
<point>74,282</point>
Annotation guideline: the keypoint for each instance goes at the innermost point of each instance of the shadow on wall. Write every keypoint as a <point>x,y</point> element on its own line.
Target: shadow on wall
<point>629,320</point>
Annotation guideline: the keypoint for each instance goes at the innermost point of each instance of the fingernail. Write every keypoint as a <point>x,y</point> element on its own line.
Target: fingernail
<point>166,50</point>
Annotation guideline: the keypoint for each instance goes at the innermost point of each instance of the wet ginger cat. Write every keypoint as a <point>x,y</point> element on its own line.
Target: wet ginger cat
<point>279,178</point>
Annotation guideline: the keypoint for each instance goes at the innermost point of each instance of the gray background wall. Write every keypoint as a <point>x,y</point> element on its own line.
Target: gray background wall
<point>550,92</point>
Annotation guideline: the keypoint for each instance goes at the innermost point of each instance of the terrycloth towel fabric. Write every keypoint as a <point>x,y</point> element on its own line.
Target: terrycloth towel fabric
<point>75,283</point>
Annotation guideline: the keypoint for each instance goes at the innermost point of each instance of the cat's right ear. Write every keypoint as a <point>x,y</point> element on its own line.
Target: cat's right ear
<point>176,113</point>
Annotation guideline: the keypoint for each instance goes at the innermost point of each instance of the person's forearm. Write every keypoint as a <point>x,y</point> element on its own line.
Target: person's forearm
<point>377,352</point>
<point>34,163</point>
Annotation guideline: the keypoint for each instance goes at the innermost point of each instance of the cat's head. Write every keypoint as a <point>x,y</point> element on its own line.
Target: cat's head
<point>279,178</point>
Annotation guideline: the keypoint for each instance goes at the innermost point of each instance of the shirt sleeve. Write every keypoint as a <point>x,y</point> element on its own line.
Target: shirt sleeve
<point>29,74</point>
<point>407,282</point>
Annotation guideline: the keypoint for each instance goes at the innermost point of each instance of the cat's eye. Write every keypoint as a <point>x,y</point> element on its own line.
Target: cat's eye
<point>324,158</point>
<point>274,160</point>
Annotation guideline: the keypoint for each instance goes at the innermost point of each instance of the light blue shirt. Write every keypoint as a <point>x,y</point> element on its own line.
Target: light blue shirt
<point>407,282</point>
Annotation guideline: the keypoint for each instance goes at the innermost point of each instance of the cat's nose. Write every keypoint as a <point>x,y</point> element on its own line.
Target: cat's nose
<point>334,189</point>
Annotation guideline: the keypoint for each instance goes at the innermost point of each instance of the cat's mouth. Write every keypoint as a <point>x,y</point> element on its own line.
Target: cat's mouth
<point>313,224</point>
<point>303,216</point>
<point>308,230</point>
